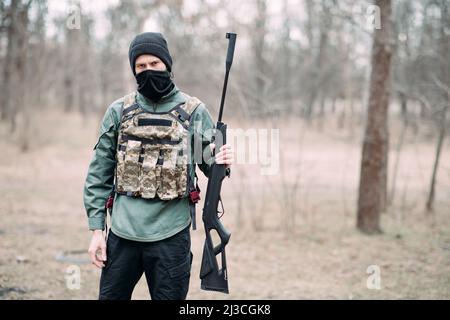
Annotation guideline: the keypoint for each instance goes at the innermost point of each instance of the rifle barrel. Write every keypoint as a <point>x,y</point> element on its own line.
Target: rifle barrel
<point>229,61</point>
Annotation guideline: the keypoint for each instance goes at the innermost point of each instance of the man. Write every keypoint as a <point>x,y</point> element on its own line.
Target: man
<point>140,157</point>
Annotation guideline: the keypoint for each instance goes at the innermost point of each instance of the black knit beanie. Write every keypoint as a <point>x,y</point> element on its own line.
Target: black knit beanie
<point>150,43</point>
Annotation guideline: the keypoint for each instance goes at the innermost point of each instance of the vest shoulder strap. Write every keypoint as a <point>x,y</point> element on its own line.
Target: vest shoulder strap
<point>128,103</point>
<point>183,111</point>
<point>191,104</point>
<point>128,99</point>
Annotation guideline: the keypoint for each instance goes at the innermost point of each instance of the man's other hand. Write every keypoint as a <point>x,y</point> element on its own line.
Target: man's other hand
<point>97,247</point>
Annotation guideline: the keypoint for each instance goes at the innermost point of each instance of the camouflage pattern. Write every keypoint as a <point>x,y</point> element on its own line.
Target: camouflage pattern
<point>153,132</point>
<point>147,178</point>
<point>150,177</point>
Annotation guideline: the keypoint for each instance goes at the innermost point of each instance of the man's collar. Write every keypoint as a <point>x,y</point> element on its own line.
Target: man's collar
<point>164,99</point>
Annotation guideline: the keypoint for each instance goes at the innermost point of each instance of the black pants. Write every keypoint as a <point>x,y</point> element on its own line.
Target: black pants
<point>166,263</point>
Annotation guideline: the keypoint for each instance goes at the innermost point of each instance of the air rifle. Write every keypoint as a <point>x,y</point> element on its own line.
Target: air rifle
<point>213,278</point>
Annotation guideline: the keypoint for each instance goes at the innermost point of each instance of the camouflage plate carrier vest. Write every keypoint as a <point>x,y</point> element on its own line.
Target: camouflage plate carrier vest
<point>151,156</point>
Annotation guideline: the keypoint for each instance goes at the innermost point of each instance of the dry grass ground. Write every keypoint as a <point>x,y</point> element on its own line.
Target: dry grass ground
<point>307,248</point>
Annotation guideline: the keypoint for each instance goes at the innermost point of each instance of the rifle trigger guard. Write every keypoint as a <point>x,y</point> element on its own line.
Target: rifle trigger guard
<point>223,209</point>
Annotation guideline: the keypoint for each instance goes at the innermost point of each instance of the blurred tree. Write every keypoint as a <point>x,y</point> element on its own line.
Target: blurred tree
<point>34,71</point>
<point>441,79</point>
<point>72,40</point>
<point>319,59</point>
<point>12,100</point>
<point>372,187</point>
<point>259,47</point>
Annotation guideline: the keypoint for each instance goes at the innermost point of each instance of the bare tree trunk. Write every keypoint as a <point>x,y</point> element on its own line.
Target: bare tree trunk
<point>68,95</point>
<point>16,57</point>
<point>286,79</point>
<point>69,70</point>
<point>318,75</point>
<point>258,49</point>
<point>444,86</point>
<point>401,139</point>
<point>20,70</point>
<point>8,66</point>
<point>403,104</point>
<point>440,143</point>
<point>372,187</point>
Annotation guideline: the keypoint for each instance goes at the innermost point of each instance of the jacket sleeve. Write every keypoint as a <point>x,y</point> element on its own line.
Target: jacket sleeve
<point>203,131</point>
<point>100,176</point>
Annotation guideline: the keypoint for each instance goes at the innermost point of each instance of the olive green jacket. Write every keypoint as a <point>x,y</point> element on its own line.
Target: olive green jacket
<point>137,218</point>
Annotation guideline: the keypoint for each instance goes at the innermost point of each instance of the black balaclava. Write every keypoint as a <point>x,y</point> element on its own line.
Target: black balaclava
<point>151,83</point>
<point>154,84</point>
